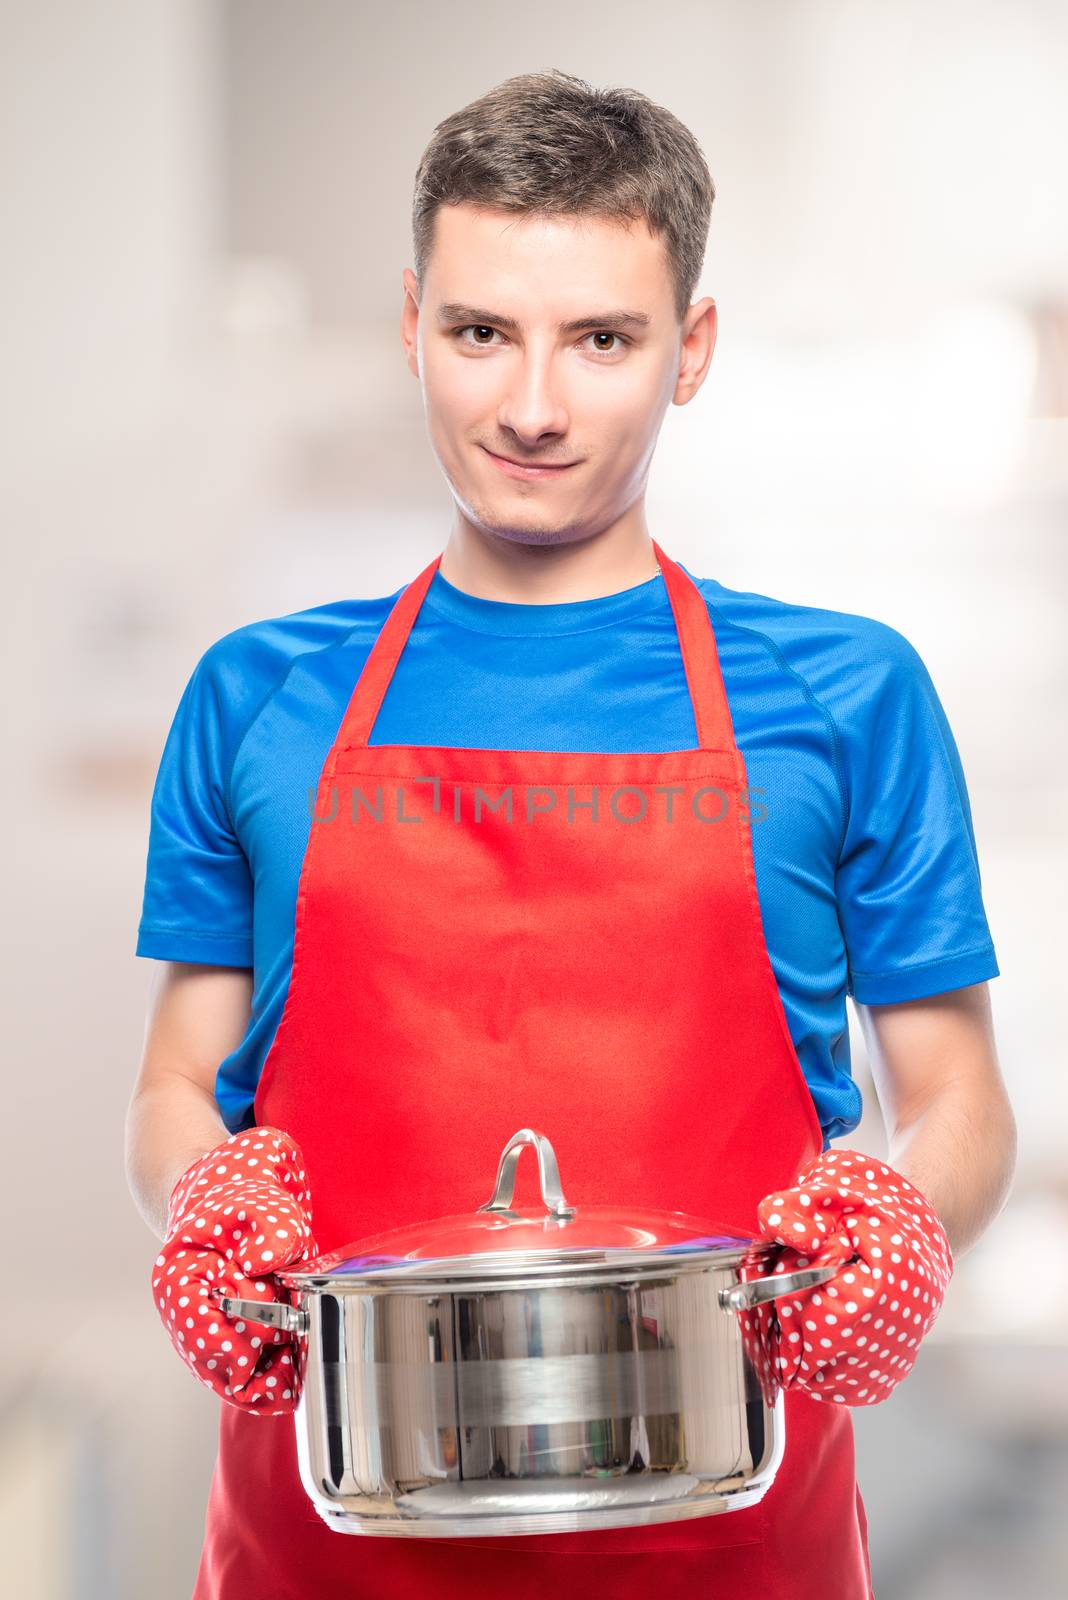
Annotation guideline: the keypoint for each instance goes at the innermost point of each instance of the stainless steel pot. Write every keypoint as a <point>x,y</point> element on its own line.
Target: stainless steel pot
<point>511,1371</point>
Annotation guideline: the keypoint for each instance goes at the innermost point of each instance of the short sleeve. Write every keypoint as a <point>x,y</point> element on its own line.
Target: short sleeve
<point>197,903</point>
<point>908,882</point>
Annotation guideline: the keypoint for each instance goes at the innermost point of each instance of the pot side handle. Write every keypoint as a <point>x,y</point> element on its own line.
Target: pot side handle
<point>758,1291</point>
<point>271,1313</point>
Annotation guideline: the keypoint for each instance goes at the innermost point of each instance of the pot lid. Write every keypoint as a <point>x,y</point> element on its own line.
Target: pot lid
<point>500,1242</point>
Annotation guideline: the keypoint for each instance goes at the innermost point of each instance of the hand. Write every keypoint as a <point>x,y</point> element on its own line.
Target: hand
<point>854,1338</point>
<point>236,1216</point>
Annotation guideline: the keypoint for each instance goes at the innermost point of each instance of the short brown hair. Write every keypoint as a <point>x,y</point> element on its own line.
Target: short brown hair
<point>550,143</point>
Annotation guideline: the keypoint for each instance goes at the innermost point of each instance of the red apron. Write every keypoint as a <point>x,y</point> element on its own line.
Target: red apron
<point>591,963</point>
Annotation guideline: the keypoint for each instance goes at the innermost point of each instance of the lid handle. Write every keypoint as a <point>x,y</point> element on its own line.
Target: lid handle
<point>548,1171</point>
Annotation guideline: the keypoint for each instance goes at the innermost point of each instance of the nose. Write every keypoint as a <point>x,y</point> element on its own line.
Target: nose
<point>532,406</point>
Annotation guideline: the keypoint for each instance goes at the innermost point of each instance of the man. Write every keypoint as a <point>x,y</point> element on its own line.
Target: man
<point>387,986</point>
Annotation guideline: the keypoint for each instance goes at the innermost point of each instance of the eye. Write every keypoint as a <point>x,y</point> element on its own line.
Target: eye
<point>477,327</point>
<point>607,333</point>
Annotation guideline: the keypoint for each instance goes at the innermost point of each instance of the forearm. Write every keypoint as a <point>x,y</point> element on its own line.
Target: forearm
<point>168,1127</point>
<point>960,1152</point>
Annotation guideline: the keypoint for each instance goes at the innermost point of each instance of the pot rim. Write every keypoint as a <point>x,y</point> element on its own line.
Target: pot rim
<point>504,1269</point>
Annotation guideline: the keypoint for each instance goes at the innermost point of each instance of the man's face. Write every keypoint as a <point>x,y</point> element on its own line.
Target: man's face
<point>504,376</point>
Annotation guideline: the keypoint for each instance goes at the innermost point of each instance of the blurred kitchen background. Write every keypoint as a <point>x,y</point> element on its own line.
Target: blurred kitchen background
<point>207,420</point>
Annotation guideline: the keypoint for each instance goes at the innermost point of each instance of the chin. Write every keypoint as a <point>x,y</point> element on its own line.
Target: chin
<point>517,534</point>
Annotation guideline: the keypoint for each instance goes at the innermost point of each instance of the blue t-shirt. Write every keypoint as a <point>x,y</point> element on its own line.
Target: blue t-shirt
<point>866,866</point>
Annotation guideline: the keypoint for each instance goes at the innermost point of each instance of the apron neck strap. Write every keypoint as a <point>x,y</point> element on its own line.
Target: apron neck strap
<point>697,642</point>
<point>700,657</point>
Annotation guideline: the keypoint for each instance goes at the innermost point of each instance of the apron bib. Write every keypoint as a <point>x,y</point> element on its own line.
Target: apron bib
<point>571,941</point>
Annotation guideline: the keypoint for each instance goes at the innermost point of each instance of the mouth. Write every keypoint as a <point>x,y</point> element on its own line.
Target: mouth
<point>521,469</point>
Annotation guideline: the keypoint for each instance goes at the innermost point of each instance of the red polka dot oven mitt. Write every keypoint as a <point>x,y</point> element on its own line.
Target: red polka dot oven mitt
<point>237,1215</point>
<point>852,1339</point>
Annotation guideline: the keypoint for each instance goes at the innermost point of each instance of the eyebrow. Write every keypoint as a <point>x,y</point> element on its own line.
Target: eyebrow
<point>454,311</point>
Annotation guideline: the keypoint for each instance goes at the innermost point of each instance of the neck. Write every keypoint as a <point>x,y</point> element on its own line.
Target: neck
<point>493,567</point>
